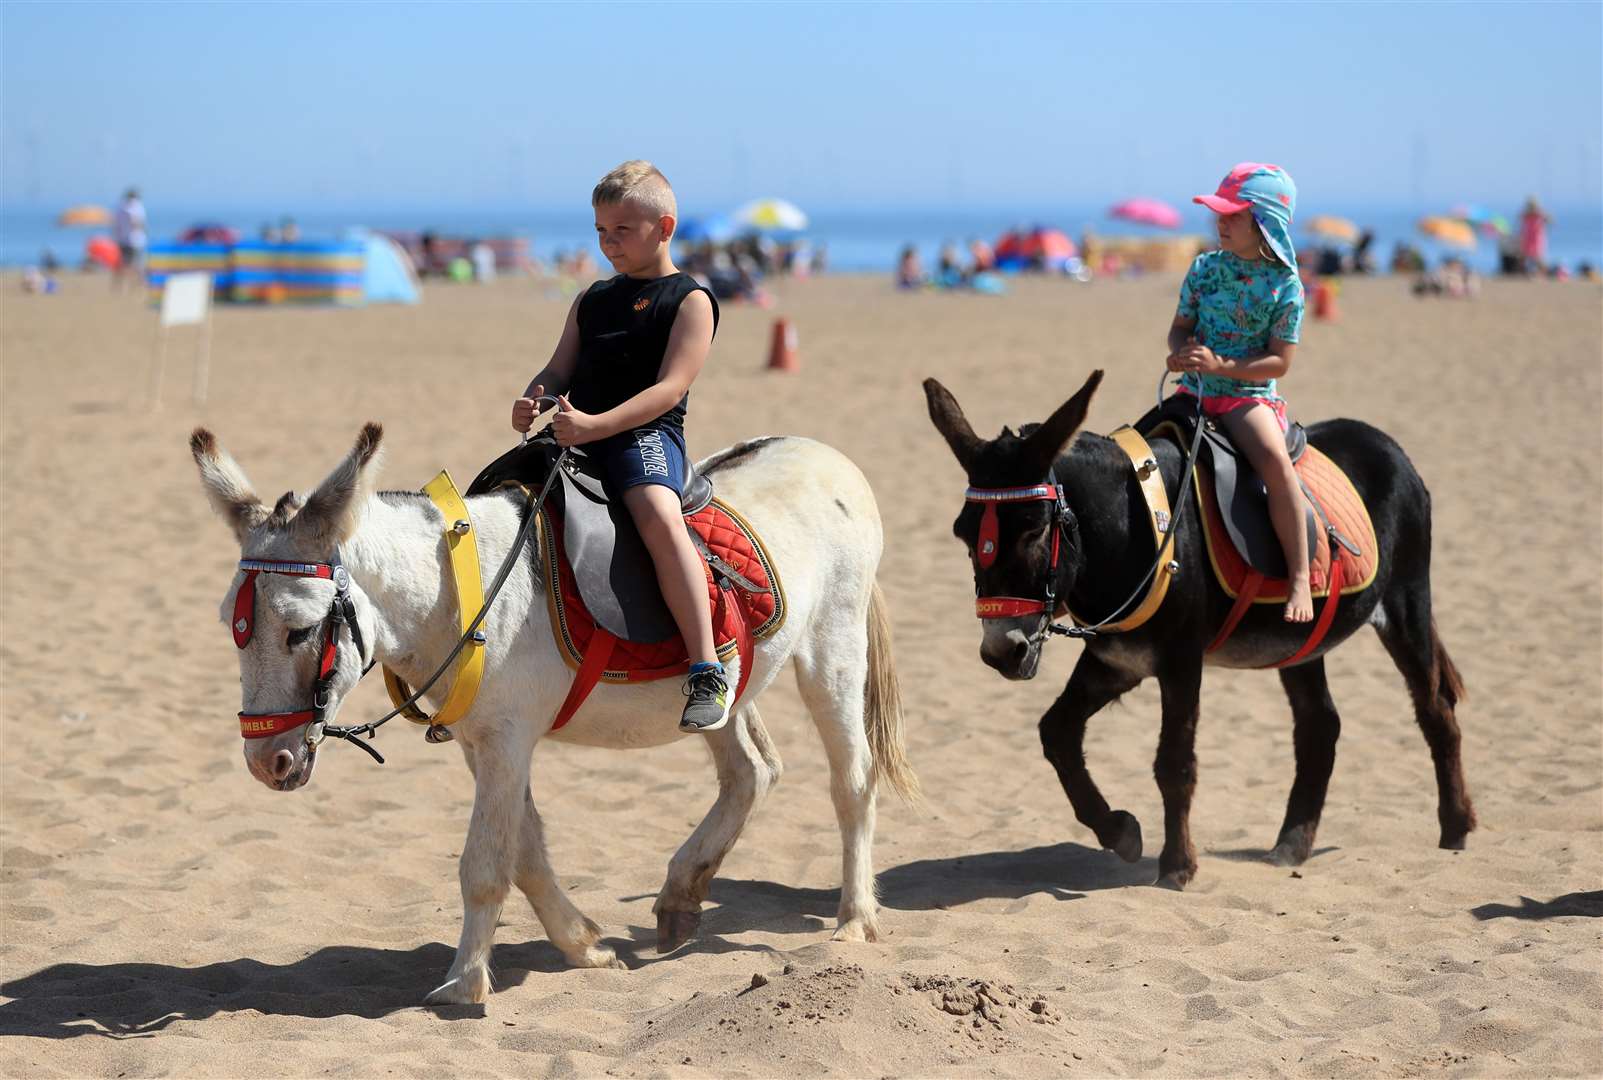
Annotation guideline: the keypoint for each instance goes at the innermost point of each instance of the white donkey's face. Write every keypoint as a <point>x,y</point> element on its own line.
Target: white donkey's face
<point>288,619</point>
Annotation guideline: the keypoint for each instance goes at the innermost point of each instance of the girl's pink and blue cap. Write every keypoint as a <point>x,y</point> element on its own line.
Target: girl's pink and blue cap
<point>1269,192</point>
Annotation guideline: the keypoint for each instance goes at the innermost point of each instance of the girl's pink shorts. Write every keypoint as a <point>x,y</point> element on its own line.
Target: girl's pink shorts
<point>1219,406</point>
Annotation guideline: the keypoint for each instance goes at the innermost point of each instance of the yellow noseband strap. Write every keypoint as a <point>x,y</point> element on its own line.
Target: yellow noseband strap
<point>464,552</point>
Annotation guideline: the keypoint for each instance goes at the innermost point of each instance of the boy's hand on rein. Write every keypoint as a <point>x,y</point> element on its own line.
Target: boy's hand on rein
<point>525,409</point>
<point>572,427</point>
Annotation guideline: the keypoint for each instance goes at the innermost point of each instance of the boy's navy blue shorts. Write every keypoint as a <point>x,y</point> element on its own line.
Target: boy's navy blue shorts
<point>648,455</point>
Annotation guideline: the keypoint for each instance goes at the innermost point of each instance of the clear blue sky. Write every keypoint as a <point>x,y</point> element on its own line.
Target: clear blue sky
<point>832,105</point>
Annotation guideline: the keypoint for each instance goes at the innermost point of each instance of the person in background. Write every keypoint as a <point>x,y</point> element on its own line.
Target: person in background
<point>821,259</point>
<point>983,258</point>
<point>1363,257</point>
<point>288,231</point>
<point>909,270</point>
<point>482,255</point>
<point>949,270</point>
<point>1533,235</point>
<point>128,228</point>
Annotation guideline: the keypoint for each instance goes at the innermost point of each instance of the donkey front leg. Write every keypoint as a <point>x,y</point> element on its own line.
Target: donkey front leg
<point>565,925</point>
<point>747,769</point>
<point>1093,685</point>
<point>500,766</point>
<point>1176,768</point>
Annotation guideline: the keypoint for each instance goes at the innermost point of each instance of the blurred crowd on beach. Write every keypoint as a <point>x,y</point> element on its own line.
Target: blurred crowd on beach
<point>737,256</point>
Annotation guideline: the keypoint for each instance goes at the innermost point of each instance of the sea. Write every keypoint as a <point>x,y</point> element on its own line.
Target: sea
<point>856,239</point>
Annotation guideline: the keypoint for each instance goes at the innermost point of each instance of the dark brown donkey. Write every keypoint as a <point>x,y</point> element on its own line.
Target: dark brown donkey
<point>1090,549</point>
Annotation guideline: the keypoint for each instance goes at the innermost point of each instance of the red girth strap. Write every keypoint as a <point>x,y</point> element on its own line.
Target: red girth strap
<point>599,651</point>
<point>596,656</point>
<point>1249,592</point>
<point>266,725</point>
<point>1007,607</point>
<point>1326,616</point>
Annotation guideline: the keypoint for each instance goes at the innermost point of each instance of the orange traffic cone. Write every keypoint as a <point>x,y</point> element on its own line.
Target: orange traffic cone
<point>1325,301</point>
<point>782,349</point>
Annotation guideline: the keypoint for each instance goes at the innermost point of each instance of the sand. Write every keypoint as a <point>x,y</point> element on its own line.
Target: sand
<point>165,914</point>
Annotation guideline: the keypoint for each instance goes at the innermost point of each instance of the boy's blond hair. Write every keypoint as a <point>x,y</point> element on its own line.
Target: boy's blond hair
<point>639,183</point>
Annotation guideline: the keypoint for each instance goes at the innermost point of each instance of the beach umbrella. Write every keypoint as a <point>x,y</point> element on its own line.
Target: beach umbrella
<point>1146,212</point>
<point>1449,231</point>
<point>84,215</point>
<point>771,215</point>
<point>715,228</point>
<point>1496,225</point>
<point>1474,213</point>
<point>1327,227</point>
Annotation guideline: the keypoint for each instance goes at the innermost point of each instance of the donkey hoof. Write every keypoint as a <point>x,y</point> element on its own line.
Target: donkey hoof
<point>1293,848</point>
<point>862,928</point>
<point>674,928</point>
<point>1123,836</point>
<point>1176,879</point>
<point>1454,841</point>
<point>596,956</point>
<point>469,988</point>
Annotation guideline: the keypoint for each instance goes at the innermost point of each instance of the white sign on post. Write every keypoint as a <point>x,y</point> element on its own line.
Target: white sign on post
<point>186,300</point>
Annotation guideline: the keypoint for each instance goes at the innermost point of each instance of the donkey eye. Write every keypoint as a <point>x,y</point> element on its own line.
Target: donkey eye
<point>299,637</point>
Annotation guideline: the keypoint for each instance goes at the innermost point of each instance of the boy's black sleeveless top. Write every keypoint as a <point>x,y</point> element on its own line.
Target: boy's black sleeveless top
<point>624,325</point>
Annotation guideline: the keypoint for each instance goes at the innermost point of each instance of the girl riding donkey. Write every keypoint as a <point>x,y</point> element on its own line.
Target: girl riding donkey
<point>1101,529</point>
<point>1235,334</point>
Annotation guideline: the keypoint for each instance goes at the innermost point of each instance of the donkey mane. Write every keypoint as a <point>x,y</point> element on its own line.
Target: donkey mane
<point>737,454</point>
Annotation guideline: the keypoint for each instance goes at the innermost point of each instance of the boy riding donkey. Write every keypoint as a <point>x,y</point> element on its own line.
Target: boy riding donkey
<point>622,370</point>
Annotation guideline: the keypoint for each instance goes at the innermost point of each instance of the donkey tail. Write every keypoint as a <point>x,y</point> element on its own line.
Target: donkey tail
<point>882,706</point>
<point>1449,684</point>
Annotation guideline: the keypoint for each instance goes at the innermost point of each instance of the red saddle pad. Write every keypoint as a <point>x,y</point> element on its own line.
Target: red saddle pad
<point>1343,507</point>
<point>730,537</point>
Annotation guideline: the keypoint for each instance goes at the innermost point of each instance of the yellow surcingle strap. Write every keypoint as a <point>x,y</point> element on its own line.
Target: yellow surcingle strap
<point>1150,477</point>
<point>464,554</point>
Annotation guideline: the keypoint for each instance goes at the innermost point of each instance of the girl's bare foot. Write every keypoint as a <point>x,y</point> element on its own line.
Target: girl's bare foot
<point>1300,603</point>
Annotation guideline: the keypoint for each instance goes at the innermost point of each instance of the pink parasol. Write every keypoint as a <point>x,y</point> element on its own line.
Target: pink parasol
<point>1146,212</point>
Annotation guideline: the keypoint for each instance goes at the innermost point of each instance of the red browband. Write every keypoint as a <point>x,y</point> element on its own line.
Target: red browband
<point>985,549</point>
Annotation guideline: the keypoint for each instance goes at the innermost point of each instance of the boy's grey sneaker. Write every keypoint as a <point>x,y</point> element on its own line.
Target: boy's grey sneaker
<point>708,707</point>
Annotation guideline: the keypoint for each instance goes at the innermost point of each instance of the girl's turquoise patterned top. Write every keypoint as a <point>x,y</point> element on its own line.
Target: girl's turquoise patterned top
<point>1239,305</point>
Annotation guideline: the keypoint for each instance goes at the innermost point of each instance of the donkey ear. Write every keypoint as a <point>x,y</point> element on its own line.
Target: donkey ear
<point>949,420</point>
<point>1049,440</point>
<point>334,510</point>
<point>226,486</point>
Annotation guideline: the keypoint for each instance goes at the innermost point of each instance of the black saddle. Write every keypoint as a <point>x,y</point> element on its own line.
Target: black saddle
<point>610,562</point>
<point>1240,492</point>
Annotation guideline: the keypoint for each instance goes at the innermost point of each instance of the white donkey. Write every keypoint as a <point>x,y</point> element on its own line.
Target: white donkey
<point>815,513</point>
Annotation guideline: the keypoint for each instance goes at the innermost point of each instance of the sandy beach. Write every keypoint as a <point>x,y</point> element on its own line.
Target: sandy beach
<point>166,915</point>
